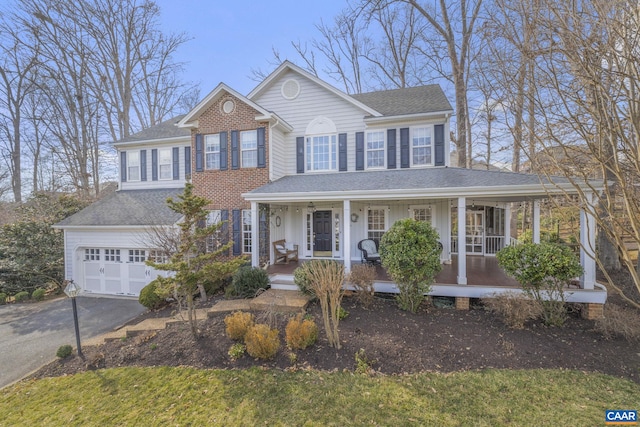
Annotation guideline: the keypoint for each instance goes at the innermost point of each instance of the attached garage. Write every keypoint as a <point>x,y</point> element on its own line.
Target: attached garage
<point>107,244</point>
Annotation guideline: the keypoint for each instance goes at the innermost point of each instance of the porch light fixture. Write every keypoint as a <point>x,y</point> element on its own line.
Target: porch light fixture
<point>311,208</point>
<point>73,290</point>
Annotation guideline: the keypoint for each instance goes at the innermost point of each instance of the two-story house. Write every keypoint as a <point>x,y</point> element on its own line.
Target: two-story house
<point>299,160</point>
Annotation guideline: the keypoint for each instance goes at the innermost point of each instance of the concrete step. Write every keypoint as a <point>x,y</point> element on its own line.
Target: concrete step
<point>280,300</point>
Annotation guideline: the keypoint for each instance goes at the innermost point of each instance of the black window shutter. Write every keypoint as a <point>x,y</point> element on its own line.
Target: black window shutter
<point>236,227</point>
<point>123,166</point>
<point>300,154</point>
<point>143,165</point>
<point>224,151</point>
<point>342,152</point>
<point>404,148</point>
<point>262,148</point>
<point>391,148</point>
<point>438,139</point>
<point>187,161</point>
<point>154,164</point>
<point>235,150</point>
<point>359,151</point>
<point>224,229</point>
<point>176,163</point>
<point>199,152</point>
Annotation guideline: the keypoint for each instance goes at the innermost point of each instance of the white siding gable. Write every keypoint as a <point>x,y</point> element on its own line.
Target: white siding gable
<point>160,182</point>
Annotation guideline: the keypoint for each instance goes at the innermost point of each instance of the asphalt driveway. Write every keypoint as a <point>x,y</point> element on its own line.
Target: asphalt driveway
<point>31,333</point>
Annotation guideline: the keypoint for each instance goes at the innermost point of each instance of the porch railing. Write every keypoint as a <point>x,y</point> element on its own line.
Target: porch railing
<point>492,244</point>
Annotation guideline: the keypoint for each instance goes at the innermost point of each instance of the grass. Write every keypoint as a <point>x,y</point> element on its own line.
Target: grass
<point>186,396</point>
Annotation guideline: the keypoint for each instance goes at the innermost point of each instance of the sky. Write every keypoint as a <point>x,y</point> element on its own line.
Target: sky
<point>230,38</point>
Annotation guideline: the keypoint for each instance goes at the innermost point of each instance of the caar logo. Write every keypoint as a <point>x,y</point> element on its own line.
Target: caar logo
<point>621,417</point>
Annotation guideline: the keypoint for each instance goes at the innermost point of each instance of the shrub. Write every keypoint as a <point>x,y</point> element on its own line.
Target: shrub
<point>301,333</point>
<point>342,313</point>
<point>619,321</point>
<point>514,308</point>
<point>262,342</point>
<point>150,296</point>
<point>410,252</point>
<point>38,294</point>
<point>236,351</point>
<point>237,324</point>
<point>326,278</point>
<point>363,363</point>
<point>64,351</point>
<point>543,270</point>
<point>361,277</point>
<point>302,280</point>
<point>3,298</point>
<point>247,281</point>
<point>21,296</point>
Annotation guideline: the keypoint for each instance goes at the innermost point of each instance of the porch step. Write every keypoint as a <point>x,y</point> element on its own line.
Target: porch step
<point>280,300</point>
<point>283,282</point>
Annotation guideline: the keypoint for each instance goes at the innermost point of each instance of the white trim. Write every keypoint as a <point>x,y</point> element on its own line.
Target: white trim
<point>536,221</point>
<point>384,149</point>
<point>145,142</point>
<point>287,65</point>
<point>346,235</point>
<point>462,246</point>
<point>408,117</point>
<point>431,146</point>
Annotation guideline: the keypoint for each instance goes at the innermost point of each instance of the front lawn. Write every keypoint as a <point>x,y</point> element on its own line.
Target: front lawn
<point>187,396</point>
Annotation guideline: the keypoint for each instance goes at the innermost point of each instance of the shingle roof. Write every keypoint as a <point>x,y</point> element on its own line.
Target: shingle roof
<point>413,100</point>
<point>398,179</point>
<point>128,207</point>
<point>166,129</point>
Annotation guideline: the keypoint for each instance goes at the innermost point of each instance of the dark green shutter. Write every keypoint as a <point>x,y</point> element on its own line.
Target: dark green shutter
<point>342,152</point>
<point>300,154</point>
<point>235,150</point>
<point>391,148</point>
<point>187,161</point>
<point>154,164</point>
<point>224,151</point>
<point>438,137</point>
<point>143,165</point>
<point>236,228</point>
<point>262,148</point>
<point>199,153</point>
<point>123,166</point>
<point>404,148</point>
<point>359,151</point>
<point>176,163</point>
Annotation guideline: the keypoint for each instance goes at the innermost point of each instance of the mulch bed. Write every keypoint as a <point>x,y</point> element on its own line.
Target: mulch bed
<point>394,342</point>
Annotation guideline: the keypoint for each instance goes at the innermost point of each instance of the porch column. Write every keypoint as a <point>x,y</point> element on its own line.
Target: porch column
<point>588,243</point>
<point>346,234</point>
<point>507,224</point>
<point>255,235</point>
<point>536,221</point>
<point>462,241</point>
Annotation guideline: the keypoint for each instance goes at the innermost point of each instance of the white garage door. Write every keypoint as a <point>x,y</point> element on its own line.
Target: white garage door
<point>115,271</point>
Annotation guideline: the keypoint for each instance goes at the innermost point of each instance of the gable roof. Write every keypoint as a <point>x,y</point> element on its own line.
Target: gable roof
<point>189,119</point>
<point>289,66</point>
<point>127,208</point>
<point>412,100</point>
<point>164,130</point>
<point>442,182</point>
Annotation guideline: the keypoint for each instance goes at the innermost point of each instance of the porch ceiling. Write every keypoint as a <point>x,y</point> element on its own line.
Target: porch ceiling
<point>435,182</point>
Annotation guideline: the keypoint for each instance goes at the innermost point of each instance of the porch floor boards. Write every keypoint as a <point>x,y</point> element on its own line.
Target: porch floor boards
<point>481,271</point>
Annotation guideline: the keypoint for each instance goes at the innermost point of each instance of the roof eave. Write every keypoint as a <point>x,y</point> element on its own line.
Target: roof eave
<point>173,139</point>
<point>408,117</point>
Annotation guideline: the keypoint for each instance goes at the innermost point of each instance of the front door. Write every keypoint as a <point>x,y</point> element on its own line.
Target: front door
<point>322,233</point>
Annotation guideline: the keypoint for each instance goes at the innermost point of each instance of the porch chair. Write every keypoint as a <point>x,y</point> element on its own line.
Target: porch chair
<point>284,252</point>
<point>369,249</point>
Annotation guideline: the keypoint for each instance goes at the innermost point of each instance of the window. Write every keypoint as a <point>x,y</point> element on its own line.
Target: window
<point>92,254</point>
<point>249,148</point>
<point>137,255</point>
<point>133,165</point>
<point>164,163</point>
<point>375,149</point>
<point>158,256</point>
<point>214,241</point>
<point>321,153</point>
<point>376,223</point>
<point>212,151</point>
<point>246,231</point>
<point>421,146</point>
<point>112,255</point>
<point>421,213</point>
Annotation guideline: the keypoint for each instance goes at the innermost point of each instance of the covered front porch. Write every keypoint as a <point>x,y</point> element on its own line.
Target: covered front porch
<point>324,216</point>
